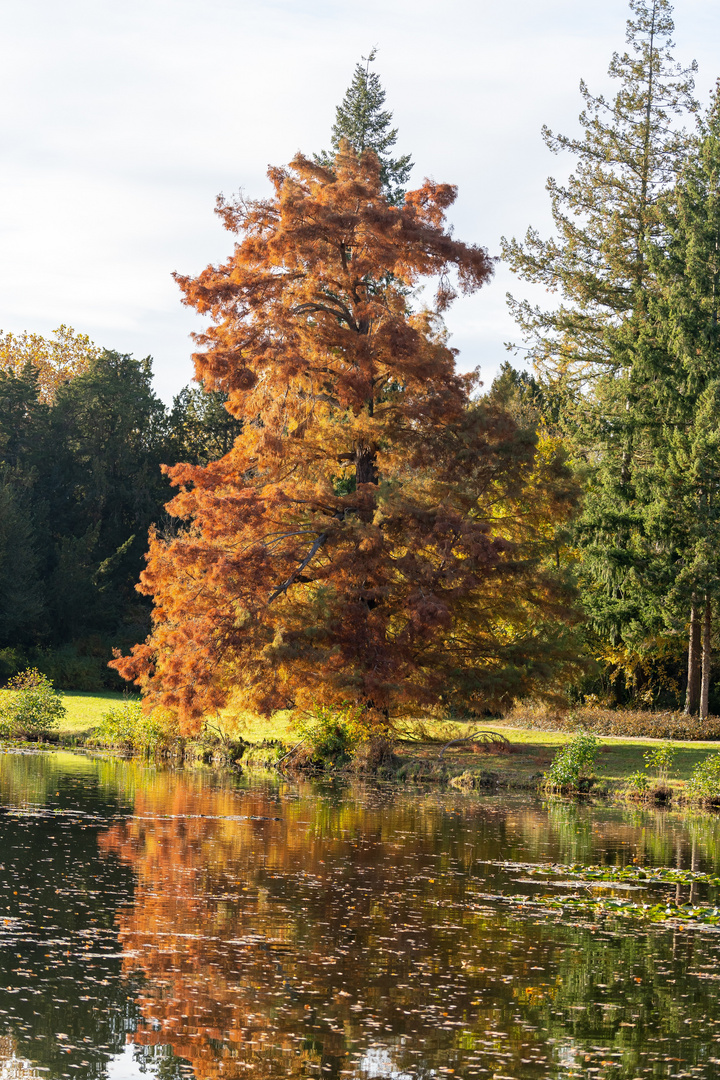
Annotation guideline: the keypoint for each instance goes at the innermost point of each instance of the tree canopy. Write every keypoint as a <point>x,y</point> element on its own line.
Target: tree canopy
<point>363,121</point>
<point>374,534</point>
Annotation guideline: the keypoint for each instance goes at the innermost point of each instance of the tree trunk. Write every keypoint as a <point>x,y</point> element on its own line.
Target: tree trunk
<point>692,697</point>
<point>365,467</point>
<point>705,687</point>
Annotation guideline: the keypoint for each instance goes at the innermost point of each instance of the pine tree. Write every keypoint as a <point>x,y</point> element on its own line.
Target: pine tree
<point>363,121</point>
<point>606,215</point>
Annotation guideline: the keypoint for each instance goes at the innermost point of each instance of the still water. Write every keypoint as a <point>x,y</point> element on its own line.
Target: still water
<point>186,924</point>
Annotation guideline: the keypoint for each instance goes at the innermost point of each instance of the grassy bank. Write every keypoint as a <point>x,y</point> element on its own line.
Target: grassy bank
<point>421,750</point>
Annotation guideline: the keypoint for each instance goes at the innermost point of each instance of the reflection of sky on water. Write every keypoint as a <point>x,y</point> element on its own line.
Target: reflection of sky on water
<point>378,1061</point>
<point>126,1066</point>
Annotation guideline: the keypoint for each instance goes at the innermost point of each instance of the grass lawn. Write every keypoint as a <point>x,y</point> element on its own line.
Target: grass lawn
<point>85,710</point>
<point>533,752</point>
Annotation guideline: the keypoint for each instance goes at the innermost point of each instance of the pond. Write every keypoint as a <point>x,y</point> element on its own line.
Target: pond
<point>194,924</point>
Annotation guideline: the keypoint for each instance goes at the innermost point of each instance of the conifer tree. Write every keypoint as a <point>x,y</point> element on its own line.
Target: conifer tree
<point>362,120</point>
<point>606,215</point>
<point>678,370</point>
<point>374,535</point>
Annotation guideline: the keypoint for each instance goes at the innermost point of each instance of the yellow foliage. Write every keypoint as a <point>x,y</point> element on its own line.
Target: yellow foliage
<point>58,358</point>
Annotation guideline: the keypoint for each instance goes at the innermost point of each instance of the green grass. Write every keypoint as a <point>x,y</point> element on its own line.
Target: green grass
<point>618,759</point>
<point>85,709</point>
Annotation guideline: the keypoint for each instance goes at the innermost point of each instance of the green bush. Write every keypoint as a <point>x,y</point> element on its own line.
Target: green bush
<point>126,725</point>
<point>572,766</point>
<point>11,662</point>
<point>32,708</point>
<point>704,783</point>
<point>638,784</point>
<point>334,734</point>
<point>661,759</point>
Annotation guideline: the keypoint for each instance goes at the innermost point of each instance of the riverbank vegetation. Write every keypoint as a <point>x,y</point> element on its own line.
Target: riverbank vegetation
<point>363,542</point>
<point>431,751</point>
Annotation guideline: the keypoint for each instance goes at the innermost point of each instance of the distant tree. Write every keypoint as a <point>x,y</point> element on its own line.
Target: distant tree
<point>373,536</point>
<point>200,427</point>
<point>102,488</point>
<point>55,359</point>
<point>679,368</point>
<point>21,587</point>
<point>363,121</point>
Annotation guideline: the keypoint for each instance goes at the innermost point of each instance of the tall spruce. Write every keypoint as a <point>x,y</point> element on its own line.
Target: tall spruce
<point>366,124</point>
<point>606,215</point>
<point>679,371</point>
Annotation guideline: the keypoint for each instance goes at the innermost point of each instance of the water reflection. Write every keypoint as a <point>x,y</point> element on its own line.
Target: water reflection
<point>230,931</point>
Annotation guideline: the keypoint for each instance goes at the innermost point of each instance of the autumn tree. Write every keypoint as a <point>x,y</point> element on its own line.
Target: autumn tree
<point>56,359</point>
<point>370,537</point>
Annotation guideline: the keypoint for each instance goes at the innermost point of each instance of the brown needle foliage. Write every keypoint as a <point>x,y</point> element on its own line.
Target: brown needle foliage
<point>375,535</point>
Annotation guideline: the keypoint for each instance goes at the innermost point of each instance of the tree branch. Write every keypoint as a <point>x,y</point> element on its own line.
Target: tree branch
<point>299,569</point>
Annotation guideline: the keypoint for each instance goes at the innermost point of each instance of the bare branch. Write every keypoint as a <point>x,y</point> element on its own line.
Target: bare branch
<point>293,577</point>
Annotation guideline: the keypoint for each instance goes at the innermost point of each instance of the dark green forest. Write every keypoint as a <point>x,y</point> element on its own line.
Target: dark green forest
<point>80,485</point>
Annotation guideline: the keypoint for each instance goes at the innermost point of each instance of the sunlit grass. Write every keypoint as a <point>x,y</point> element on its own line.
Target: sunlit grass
<point>85,710</point>
<point>423,738</point>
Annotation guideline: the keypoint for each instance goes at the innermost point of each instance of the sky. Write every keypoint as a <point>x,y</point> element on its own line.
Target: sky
<point>121,123</point>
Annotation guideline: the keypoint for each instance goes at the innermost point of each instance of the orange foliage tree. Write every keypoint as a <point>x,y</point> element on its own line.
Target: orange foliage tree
<point>374,535</point>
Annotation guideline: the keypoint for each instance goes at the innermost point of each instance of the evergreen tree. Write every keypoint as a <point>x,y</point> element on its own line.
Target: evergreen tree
<point>363,121</point>
<point>21,591</point>
<point>678,370</point>
<point>201,428</point>
<point>102,489</point>
<point>606,215</point>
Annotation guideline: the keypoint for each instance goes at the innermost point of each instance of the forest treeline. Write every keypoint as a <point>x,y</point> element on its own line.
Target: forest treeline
<point>376,528</point>
<point>82,439</point>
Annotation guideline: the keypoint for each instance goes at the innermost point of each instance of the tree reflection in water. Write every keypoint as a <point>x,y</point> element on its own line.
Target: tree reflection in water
<point>280,934</point>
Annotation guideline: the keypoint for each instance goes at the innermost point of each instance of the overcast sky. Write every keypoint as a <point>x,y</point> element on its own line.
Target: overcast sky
<point>120,123</point>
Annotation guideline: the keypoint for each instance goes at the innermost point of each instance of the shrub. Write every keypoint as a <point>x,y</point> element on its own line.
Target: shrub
<point>32,708</point>
<point>11,662</point>
<point>661,759</point>
<point>70,670</point>
<point>572,766</point>
<point>633,723</point>
<point>127,725</point>
<point>638,785</point>
<point>704,783</point>
<point>374,755</point>
<point>334,734</point>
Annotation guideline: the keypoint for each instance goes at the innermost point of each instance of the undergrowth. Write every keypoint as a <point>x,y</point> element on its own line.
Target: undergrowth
<point>631,723</point>
<point>131,729</point>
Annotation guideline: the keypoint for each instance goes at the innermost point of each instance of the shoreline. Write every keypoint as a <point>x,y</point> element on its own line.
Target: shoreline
<point>517,768</point>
